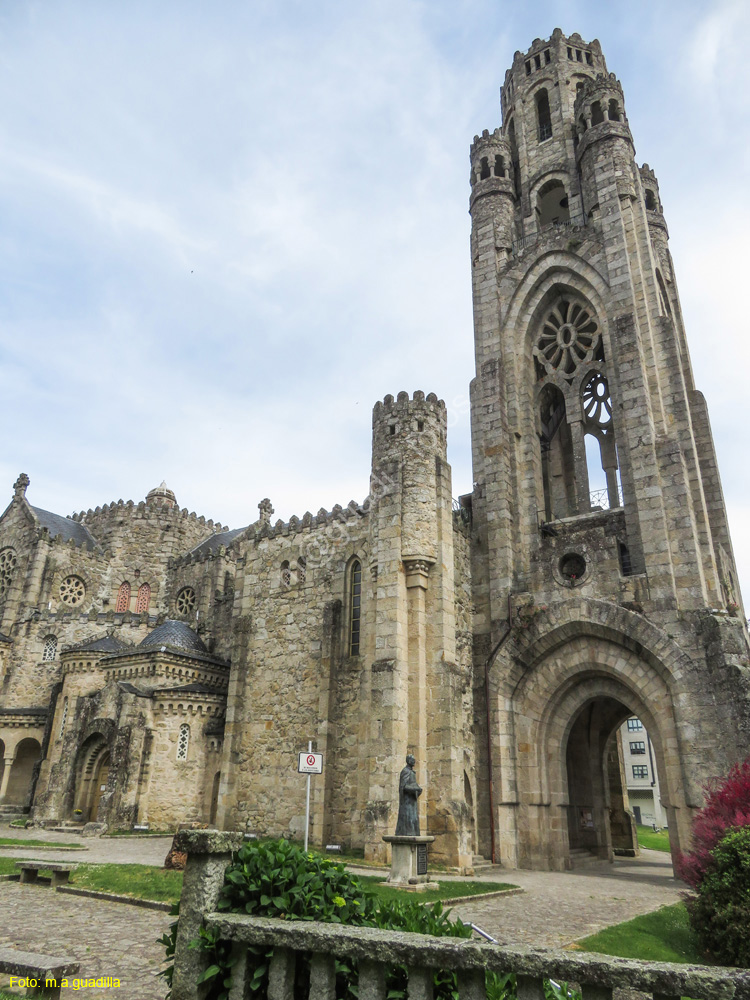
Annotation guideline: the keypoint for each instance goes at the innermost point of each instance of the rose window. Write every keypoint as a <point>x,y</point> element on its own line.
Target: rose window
<point>185,601</point>
<point>597,404</point>
<point>72,591</point>
<point>7,565</point>
<point>569,336</point>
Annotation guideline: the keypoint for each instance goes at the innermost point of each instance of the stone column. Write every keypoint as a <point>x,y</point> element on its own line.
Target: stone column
<point>416,571</point>
<point>8,764</point>
<point>583,502</point>
<point>208,854</point>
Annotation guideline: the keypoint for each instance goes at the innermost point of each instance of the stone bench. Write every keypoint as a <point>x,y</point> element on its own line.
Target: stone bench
<point>41,975</point>
<point>60,872</point>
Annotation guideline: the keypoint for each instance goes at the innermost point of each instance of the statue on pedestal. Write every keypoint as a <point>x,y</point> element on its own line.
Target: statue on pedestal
<point>407,824</point>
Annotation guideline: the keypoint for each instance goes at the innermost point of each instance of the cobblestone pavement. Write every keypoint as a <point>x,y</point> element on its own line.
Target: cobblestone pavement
<point>119,940</point>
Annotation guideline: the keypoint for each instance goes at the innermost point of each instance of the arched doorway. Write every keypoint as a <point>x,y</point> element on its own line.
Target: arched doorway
<point>597,822</point>
<point>18,791</point>
<point>568,704</point>
<point>92,772</point>
<point>99,785</point>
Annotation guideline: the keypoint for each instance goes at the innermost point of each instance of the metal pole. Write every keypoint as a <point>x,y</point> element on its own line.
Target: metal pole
<point>307,809</point>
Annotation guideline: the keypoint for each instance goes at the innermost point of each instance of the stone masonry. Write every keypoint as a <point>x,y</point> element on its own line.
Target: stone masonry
<point>159,668</point>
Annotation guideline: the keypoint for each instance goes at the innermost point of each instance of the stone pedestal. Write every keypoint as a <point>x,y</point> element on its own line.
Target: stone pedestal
<point>409,863</point>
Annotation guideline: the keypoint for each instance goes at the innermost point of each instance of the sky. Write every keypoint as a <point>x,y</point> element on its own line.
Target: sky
<point>227,229</point>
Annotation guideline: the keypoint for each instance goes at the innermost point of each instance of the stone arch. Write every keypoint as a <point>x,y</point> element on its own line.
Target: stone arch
<point>27,753</point>
<point>93,753</point>
<point>547,679</point>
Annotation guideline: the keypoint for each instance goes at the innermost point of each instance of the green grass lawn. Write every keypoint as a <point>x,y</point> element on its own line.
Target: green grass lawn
<point>653,841</point>
<point>662,936</point>
<point>447,890</point>
<point>19,842</point>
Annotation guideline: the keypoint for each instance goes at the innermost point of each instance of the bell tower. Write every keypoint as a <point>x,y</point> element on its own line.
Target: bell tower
<point>596,484</point>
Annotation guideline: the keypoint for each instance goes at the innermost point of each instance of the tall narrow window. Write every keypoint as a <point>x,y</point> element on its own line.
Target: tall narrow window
<point>63,717</point>
<point>543,115</point>
<point>355,611</point>
<point>286,574</point>
<point>613,111</point>
<point>50,648</point>
<point>143,599</point>
<point>301,570</point>
<point>123,598</point>
<point>597,115</point>
<point>182,741</point>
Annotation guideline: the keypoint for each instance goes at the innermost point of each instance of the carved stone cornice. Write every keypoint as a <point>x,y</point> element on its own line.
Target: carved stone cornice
<point>417,572</point>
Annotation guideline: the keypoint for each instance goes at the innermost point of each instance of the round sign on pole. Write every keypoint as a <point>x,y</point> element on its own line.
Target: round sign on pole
<point>310,763</point>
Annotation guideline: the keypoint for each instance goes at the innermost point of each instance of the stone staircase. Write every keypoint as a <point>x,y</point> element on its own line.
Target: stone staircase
<point>9,813</point>
<point>580,857</point>
<point>481,865</point>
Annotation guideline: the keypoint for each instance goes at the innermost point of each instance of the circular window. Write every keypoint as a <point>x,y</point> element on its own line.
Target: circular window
<point>72,591</point>
<point>572,566</point>
<point>7,565</point>
<point>185,602</point>
<point>569,336</point>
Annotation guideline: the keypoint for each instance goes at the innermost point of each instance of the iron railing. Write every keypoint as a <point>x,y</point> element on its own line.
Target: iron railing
<point>600,498</point>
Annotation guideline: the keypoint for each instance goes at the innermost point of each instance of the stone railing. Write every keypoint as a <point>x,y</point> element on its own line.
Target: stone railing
<point>598,977</point>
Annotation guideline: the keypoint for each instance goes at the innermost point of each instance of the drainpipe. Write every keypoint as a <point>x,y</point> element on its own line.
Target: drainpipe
<point>487,664</point>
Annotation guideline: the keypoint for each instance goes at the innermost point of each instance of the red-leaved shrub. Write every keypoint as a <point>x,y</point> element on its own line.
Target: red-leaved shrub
<point>727,806</point>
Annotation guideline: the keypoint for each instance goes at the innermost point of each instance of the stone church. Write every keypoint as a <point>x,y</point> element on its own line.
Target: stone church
<point>159,668</point>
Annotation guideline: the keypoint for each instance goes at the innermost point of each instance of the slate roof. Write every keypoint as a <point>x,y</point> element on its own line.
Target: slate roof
<point>56,524</point>
<point>105,644</point>
<point>211,545</point>
<point>195,688</point>
<point>175,634</point>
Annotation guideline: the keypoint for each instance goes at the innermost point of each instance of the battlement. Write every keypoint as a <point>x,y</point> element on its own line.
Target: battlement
<point>492,157</point>
<point>416,425</point>
<point>604,88</point>
<point>142,509</point>
<point>557,56</point>
<point>651,189</point>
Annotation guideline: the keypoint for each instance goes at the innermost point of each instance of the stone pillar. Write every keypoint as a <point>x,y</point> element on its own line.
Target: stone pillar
<point>8,764</point>
<point>208,854</point>
<point>583,503</point>
<point>416,571</point>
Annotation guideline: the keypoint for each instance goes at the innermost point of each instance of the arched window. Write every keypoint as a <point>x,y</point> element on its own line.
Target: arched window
<point>183,740</point>
<point>597,115</point>
<point>614,111</point>
<point>484,169</point>
<point>123,598</point>
<point>355,606</point>
<point>552,204</point>
<point>7,566</point>
<point>301,569</point>
<point>286,574</point>
<point>143,599</point>
<point>63,717</point>
<point>650,200</point>
<point>50,647</point>
<point>499,166</point>
<point>544,118</point>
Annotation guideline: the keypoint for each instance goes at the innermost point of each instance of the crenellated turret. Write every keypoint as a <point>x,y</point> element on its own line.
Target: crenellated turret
<point>604,144</point>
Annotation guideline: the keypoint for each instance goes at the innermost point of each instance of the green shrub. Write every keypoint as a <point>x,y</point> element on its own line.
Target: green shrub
<point>720,912</point>
<point>278,879</point>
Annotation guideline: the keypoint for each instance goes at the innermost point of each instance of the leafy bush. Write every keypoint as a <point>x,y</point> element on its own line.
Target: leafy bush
<point>720,913</point>
<point>727,807</point>
<point>278,879</point>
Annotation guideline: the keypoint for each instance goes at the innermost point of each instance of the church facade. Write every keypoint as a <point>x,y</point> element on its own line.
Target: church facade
<point>157,668</point>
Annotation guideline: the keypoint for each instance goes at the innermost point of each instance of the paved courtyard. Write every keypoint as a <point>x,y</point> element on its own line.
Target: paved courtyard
<point>113,939</point>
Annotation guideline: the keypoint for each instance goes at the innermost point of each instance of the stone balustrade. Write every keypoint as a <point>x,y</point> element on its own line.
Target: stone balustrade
<point>598,976</point>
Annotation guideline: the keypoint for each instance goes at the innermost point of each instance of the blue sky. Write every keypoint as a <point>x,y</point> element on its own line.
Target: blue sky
<point>228,229</point>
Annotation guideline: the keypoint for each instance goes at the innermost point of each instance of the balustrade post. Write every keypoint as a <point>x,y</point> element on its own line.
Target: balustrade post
<point>208,854</point>
<point>322,978</point>
<point>281,974</point>
<point>419,983</point>
<point>530,988</point>
<point>471,984</point>
<point>371,981</point>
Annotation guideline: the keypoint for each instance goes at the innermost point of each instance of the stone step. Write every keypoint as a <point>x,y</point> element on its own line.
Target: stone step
<point>6,808</point>
<point>580,857</point>
<point>65,829</point>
